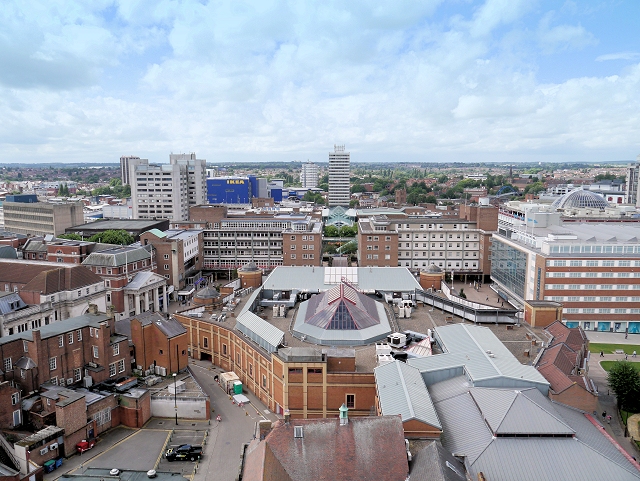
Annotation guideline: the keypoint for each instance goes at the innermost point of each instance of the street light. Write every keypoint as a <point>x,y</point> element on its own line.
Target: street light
<point>175,397</point>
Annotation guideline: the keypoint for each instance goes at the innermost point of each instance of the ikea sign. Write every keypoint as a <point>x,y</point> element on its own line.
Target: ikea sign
<point>235,182</point>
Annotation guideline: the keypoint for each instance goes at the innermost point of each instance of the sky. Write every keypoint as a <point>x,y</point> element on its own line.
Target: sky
<point>397,80</point>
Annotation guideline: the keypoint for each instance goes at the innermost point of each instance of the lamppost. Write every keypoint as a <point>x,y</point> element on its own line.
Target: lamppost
<point>175,397</point>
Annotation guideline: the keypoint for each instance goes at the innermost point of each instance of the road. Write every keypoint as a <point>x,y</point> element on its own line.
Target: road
<point>222,454</point>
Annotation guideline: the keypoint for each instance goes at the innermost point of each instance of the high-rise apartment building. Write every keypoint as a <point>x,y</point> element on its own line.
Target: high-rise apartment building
<point>633,173</point>
<point>339,162</point>
<point>124,167</point>
<point>309,175</point>
<point>167,190</point>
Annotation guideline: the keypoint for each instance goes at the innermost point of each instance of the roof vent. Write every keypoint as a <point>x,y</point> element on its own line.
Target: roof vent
<point>297,432</point>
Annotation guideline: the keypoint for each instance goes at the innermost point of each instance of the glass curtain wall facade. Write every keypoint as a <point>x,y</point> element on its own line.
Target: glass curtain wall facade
<point>509,267</point>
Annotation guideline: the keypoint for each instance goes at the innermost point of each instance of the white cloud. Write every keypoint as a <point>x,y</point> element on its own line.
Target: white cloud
<point>283,80</point>
<point>618,56</point>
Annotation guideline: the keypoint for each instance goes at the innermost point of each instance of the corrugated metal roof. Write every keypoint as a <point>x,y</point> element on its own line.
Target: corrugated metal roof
<point>60,327</point>
<point>401,390</point>
<point>260,331</point>
<point>509,411</point>
<point>483,355</point>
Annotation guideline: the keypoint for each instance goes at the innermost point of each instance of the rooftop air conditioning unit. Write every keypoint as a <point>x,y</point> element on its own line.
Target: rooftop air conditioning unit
<point>147,372</point>
<point>139,367</point>
<point>44,451</point>
<point>157,370</point>
<point>163,371</point>
<point>53,446</point>
<point>87,381</point>
<point>70,381</point>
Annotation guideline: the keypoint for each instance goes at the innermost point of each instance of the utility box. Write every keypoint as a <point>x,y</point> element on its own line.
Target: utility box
<point>237,387</point>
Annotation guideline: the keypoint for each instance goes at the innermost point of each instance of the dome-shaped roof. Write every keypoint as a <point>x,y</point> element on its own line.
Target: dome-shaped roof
<point>432,269</point>
<point>208,292</point>
<point>249,267</point>
<point>578,199</point>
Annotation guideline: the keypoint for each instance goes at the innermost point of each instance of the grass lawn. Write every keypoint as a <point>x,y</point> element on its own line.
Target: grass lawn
<point>607,365</point>
<point>596,347</point>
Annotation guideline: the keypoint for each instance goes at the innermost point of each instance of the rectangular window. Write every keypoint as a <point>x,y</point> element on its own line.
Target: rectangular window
<point>60,341</point>
<point>264,381</point>
<point>91,331</point>
<point>351,401</point>
<point>250,370</point>
<point>314,370</point>
<point>112,369</point>
<point>121,365</point>
<point>205,342</point>
<point>8,366</point>
<point>116,349</point>
<point>25,346</point>
<point>166,267</point>
<point>52,363</point>
<point>77,374</point>
<point>96,353</point>
<point>166,257</point>
<point>224,349</point>
<point>15,398</point>
<point>295,370</point>
<point>70,338</point>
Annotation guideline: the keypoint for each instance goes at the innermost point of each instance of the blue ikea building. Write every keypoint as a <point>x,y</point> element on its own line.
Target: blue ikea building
<point>228,190</point>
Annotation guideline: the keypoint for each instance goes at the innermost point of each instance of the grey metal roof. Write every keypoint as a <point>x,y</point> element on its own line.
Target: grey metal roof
<point>369,279</point>
<point>117,256</point>
<point>434,463</point>
<point>486,360</point>
<point>8,252</point>
<point>587,455</point>
<point>401,390</point>
<point>10,302</point>
<point>258,330</point>
<point>518,412</point>
<point>169,327</point>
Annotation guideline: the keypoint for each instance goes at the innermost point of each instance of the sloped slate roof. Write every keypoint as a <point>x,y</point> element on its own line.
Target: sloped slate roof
<point>9,299</point>
<point>117,256</point>
<point>62,279</point>
<point>401,390</point>
<point>434,463</point>
<point>328,451</point>
<point>169,327</point>
<point>572,337</point>
<point>8,252</point>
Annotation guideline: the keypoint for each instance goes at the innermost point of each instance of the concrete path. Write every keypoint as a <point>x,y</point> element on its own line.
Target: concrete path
<point>612,337</point>
<point>607,402</point>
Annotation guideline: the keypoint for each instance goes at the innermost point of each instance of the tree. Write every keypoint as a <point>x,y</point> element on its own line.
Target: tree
<point>624,381</point>
<point>70,236</point>
<point>120,237</point>
<point>331,231</point>
<point>461,294</point>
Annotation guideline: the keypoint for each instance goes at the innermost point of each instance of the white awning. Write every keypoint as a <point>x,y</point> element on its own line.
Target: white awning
<point>187,292</point>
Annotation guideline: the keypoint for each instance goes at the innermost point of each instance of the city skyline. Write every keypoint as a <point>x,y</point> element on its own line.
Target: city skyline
<point>502,81</point>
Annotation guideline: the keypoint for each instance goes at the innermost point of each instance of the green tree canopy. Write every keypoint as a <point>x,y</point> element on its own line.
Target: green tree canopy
<point>624,381</point>
<point>331,231</point>
<point>120,237</point>
<point>70,236</point>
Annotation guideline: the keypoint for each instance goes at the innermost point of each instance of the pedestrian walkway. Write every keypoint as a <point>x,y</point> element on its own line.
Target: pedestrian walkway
<point>612,337</point>
<point>484,295</point>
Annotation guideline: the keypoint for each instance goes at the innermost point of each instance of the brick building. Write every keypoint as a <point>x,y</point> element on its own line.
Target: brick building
<point>459,244</point>
<point>178,255</point>
<point>59,250</point>
<point>65,353</point>
<point>119,267</point>
<point>47,293</point>
<point>309,382</point>
<point>10,402</point>
<point>157,340</point>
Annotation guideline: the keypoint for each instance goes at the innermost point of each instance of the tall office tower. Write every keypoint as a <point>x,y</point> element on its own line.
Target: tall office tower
<point>196,176</point>
<point>166,191</point>
<point>124,167</point>
<point>309,175</point>
<point>633,173</point>
<point>339,193</point>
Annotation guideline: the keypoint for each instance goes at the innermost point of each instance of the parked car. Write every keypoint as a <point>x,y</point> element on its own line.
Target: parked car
<point>85,445</point>
<point>184,452</point>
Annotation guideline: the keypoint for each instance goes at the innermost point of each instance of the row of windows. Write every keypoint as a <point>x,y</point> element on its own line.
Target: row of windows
<point>116,367</point>
<point>581,287</point>
<point>592,263</point>
<point>375,256</point>
<point>473,245</point>
<point>304,256</point>
<point>434,226</point>
<point>439,236</point>
<point>594,299</point>
<point>449,265</point>
<point>594,249</point>
<point>593,274</point>
<point>590,310</point>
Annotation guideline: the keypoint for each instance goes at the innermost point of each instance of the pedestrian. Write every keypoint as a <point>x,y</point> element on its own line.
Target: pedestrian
<point>626,335</point>
<point>626,357</point>
<point>502,303</point>
<point>601,353</point>
<point>604,415</point>
<point>487,298</point>
<point>609,419</point>
<point>634,354</point>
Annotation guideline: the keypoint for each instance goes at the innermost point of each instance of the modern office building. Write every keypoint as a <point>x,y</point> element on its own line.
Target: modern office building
<point>269,239</point>
<point>309,175</point>
<point>588,267</point>
<point>339,170</point>
<point>124,167</point>
<point>459,245</point>
<point>167,190</point>
<point>42,218</point>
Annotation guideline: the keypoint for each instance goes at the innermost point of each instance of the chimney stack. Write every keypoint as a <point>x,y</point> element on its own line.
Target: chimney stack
<point>287,416</point>
<point>264,428</point>
<point>344,418</point>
